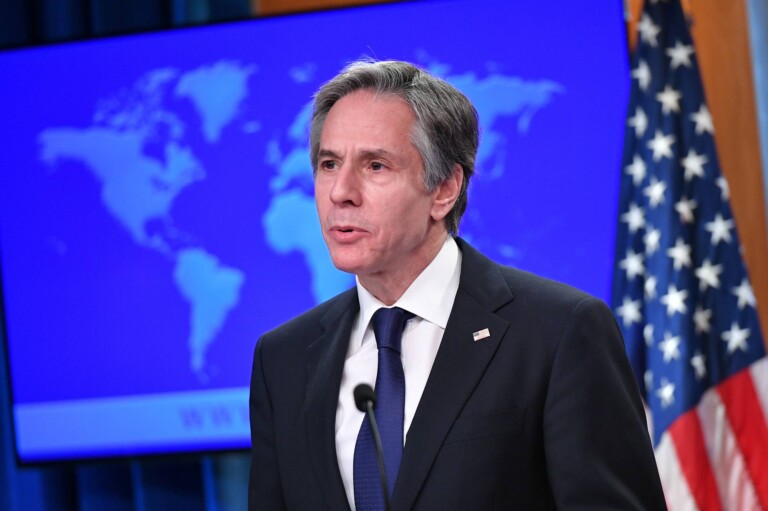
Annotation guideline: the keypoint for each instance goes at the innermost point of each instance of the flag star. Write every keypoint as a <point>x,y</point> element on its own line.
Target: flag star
<point>701,319</point>
<point>670,347</point>
<point>703,120</point>
<point>709,275</point>
<point>669,99</point>
<point>629,311</point>
<point>720,229</point>
<point>639,122</point>
<point>685,208</point>
<point>637,170</point>
<point>745,295</point>
<point>643,74</point>
<point>699,363</point>
<point>650,287</point>
<point>666,392</point>
<point>681,254</point>
<point>736,338</point>
<point>725,191</point>
<point>648,334</point>
<point>675,300</point>
<point>680,55</point>
<point>648,378</point>
<point>648,31</point>
<point>633,264</point>
<point>655,192</point>
<point>635,218</point>
<point>694,164</point>
<point>651,239</point>
<point>661,145</point>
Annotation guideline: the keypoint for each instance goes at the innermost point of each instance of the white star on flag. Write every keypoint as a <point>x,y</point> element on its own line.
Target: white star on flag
<point>680,254</point>
<point>655,192</point>
<point>680,55</point>
<point>725,191</point>
<point>675,300</point>
<point>701,319</point>
<point>635,218</point>
<point>666,393</point>
<point>699,363</point>
<point>637,170</point>
<point>736,338</point>
<point>693,164</point>
<point>745,295</point>
<point>720,229</point>
<point>648,334</point>
<point>633,264</point>
<point>639,122</point>
<point>670,347</point>
<point>703,120</point>
<point>669,99</point>
<point>643,74</point>
<point>661,145</point>
<point>685,208</point>
<point>709,275</point>
<point>650,287</point>
<point>651,240</point>
<point>648,31</point>
<point>630,311</point>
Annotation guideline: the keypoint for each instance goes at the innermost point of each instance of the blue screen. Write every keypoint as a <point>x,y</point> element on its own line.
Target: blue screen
<point>156,210</point>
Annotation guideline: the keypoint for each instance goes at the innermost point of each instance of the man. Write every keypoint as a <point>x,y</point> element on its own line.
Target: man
<point>518,394</point>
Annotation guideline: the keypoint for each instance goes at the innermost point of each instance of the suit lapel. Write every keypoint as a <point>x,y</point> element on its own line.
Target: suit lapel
<point>325,364</point>
<point>460,363</point>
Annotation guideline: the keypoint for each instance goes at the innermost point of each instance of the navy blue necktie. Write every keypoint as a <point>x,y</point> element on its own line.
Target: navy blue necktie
<point>388,325</point>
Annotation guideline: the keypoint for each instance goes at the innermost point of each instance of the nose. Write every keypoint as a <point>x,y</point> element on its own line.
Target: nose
<point>345,189</point>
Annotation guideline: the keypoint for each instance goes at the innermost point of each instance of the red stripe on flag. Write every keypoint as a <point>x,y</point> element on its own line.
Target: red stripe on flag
<point>745,414</point>
<point>688,439</point>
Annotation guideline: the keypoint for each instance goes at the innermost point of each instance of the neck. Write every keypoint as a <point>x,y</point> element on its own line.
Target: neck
<point>389,287</point>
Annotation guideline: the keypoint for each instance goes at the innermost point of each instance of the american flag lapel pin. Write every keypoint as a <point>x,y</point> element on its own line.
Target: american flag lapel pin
<point>481,334</point>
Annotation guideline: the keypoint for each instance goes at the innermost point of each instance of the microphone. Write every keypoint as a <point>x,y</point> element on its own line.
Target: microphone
<point>365,399</point>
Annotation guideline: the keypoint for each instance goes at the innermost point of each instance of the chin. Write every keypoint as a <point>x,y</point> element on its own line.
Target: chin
<point>346,263</point>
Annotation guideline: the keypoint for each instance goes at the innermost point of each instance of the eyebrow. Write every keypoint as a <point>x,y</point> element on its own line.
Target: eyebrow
<point>327,153</point>
<point>366,153</point>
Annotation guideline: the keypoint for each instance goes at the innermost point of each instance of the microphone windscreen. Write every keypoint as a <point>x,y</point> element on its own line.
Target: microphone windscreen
<point>364,393</point>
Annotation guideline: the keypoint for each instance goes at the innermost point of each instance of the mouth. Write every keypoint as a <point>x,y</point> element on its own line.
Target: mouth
<point>346,233</point>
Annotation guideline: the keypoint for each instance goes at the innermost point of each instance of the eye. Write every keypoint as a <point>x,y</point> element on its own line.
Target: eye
<point>377,166</point>
<point>327,164</point>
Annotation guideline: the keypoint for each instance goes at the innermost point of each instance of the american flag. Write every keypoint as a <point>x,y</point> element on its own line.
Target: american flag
<point>681,290</point>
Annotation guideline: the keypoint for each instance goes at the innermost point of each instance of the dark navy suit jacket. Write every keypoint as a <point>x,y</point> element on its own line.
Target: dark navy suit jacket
<point>543,414</point>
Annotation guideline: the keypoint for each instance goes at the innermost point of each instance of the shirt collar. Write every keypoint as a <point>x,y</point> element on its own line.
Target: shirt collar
<point>429,297</point>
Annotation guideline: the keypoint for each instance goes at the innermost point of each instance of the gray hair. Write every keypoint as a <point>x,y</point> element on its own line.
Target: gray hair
<point>446,129</point>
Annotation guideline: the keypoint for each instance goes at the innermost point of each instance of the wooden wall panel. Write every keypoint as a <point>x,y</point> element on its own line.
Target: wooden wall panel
<point>285,6</point>
<point>720,31</point>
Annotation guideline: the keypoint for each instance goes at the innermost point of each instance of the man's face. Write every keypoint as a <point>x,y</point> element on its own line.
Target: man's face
<point>377,217</point>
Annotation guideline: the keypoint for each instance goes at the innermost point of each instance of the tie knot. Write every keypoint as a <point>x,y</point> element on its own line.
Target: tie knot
<point>388,325</point>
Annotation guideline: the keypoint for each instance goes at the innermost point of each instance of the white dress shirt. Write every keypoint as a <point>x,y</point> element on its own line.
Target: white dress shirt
<point>430,298</point>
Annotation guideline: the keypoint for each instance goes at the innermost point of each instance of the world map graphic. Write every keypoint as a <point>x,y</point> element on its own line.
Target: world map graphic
<point>160,137</point>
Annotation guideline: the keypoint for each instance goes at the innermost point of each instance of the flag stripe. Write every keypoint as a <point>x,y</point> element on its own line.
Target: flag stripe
<point>733,482</point>
<point>693,458</point>
<point>759,372</point>
<point>676,490</point>
<point>748,423</point>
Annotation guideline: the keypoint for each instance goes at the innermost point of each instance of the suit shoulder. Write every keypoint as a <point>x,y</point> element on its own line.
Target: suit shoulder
<point>309,324</point>
<point>542,290</point>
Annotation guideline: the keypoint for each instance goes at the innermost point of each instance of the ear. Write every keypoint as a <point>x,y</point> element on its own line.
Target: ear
<point>446,193</point>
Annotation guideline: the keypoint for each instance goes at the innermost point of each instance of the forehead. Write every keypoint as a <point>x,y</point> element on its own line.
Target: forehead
<point>368,117</point>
